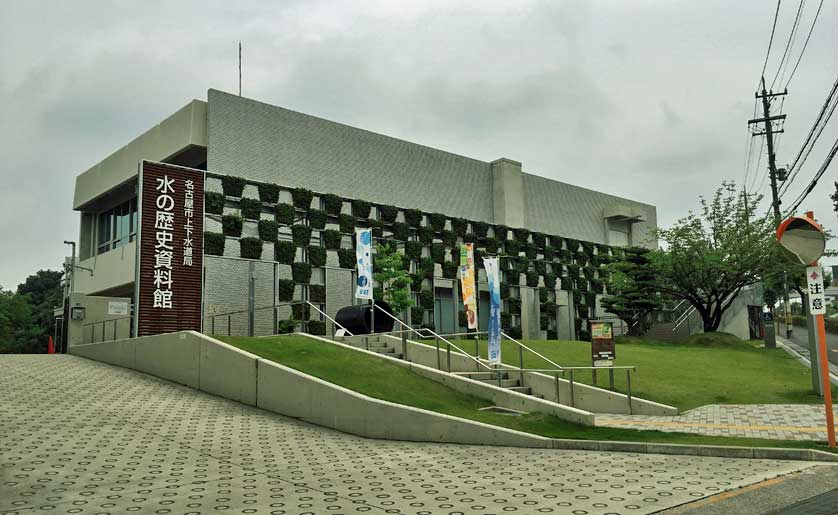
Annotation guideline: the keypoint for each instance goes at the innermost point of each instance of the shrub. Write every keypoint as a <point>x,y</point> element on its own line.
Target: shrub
<point>590,298</point>
<point>416,281</point>
<point>549,253</point>
<point>426,299</point>
<point>501,232</point>
<point>268,230</point>
<point>301,272</point>
<point>437,221</point>
<point>530,250</point>
<point>285,290</point>
<point>285,214</point>
<point>540,266</point>
<point>588,248</point>
<point>361,208</point>
<point>481,229</point>
<point>438,252</point>
<point>416,315</point>
<point>491,245</point>
<point>347,223</point>
<point>346,258</point>
<point>214,203</point>
<point>449,238</point>
<point>300,311</point>
<point>522,235</point>
<point>231,225</point>
<point>573,270</point>
<point>512,247</point>
<point>427,267</point>
<point>504,290</point>
<point>469,238</point>
<point>505,320</point>
<point>302,198</point>
<point>514,332</point>
<point>426,235</point>
<point>514,306</point>
<point>544,323</point>
<point>556,241</point>
<point>232,186</point>
<point>532,278</point>
<point>413,217</point>
<point>413,250</point>
<point>401,231</point>
<point>317,327</point>
<point>388,213</point>
<point>317,219</point>
<point>332,239</point>
<point>523,265</point>
<point>317,256</point>
<point>572,245</point>
<point>460,226</point>
<point>539,239</point>
<point>317,293</point>
<point>214,243</point>
<point>552,334</point>
<point>449,270</point>
<point>285,252</point>
<point>550,281</point>
<point>301,235</point>
<point>268,193</point>
<point>565,256</point>
<point>332,203</point>
<point>377,228</point>
<point>543,295</point>
<point>251,248</point>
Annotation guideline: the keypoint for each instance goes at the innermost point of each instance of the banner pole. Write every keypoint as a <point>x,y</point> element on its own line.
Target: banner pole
<point>827,387</point>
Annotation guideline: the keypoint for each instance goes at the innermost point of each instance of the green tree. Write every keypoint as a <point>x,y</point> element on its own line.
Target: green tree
<point>709,257</point>
<point>18,332</point>
<point>45,293</point>
<point>633,290</point>
<point>390,274</point>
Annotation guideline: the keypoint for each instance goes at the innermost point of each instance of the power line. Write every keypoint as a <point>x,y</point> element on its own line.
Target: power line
<point>805,44</point>
<point>805,193</point>
<point>771,39</point>
<point>788,43</point>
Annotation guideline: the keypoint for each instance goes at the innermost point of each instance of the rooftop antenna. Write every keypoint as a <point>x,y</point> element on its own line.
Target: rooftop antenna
<point>240,68</point>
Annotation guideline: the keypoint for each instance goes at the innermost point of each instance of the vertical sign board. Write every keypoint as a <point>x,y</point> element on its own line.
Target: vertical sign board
<point>468,286</point>
<point>492,275</point>
<point>603,350</point>
<point>170,251</point>
<point>363,258</point>
<point>814,284</point>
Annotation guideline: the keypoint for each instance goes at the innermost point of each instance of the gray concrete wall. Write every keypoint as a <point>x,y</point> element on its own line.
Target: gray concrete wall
<point>111,269</point>
<point>97,325</point>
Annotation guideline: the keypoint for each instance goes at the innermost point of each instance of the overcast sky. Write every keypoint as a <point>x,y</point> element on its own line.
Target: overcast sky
<point>646,100</point>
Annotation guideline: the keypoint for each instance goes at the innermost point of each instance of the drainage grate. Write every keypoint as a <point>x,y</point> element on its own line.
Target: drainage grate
<point>503,411</point>
<point>823,504</point>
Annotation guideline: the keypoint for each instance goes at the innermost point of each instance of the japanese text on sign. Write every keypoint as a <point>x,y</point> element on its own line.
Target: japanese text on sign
<point>814,288</point>
<point>163,248</point>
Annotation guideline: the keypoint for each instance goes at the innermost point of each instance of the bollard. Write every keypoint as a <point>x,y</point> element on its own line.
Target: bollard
<point>476,354</point>
<point>448,354</point>
<point>572,399</point>
<point>229,325</point>
<point>404,345</point>
<point>521,363</point>
<point>438,363</point>
<point>611,378</point>
<point>628,388</point>
<point>558,395</point>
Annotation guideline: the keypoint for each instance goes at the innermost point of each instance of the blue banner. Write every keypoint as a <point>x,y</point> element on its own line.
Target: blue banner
<point>492,275</point>
<point>363,257</point>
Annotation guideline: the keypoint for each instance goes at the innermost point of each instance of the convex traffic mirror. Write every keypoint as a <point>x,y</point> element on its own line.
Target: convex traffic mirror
<point>803,237</point>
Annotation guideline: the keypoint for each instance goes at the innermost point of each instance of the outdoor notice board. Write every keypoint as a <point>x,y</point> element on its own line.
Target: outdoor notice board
<point>603,350</point>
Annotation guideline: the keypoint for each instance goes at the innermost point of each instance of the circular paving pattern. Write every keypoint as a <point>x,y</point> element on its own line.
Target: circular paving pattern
<point>78,436</point>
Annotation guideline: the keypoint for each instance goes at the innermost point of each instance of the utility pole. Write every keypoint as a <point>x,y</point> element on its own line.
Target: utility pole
<point>768,131</point>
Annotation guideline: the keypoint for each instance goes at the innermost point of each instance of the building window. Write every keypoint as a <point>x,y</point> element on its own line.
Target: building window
<point>116,227</point>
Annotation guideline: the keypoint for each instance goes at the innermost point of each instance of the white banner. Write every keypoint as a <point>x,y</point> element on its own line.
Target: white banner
<point>492,275</point>
<point>363,258</point>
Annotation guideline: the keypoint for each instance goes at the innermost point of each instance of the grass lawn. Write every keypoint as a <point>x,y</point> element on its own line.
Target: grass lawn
<point>376,377</point>
<point>683,375</point>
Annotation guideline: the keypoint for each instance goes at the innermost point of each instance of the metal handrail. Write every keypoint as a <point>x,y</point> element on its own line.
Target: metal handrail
<point>435,335</point>
<point>548,360</point>
<point>329,318</point>
<point>104,323</point>
<point>683,318</point>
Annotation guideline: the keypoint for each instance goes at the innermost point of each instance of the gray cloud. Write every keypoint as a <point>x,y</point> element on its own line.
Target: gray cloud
<point>642,99</point>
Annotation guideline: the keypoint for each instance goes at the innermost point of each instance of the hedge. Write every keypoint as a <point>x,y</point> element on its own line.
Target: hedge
<point>231,225</point>
<point>449,238</point>
<point>346,258</point>
<point>317,293</point>
<point>268,230</point>
<point>232,186</point>
<point>214,203</point>
<point>416,281</point>
<point>317,256</point>
<point>361,208</point>
<point>388,213</point>
<point>532,278</point>
<point>521,234</point>
<point>413,217</point>
<point>346,223</point>
<point>285,290</point>
<point>501,232</point>
<point>481,229</point>
<point>426,235</point>
<point>492,245</point>
<point>512,247</point>
<point>285,252</point>
<point>268,193</point>
<point>302,198</point>
<point>505,320</point>
<point>530,250</point>
<point>317,327</point>
<point>214,243</point>
<point>332,239</point>
<point>540,239</point>
<point>300,311</point>
<point>437,221</point>
<point>301,234</point>
<point>251,248</point>
<point>332,203</point>
<point>460,226</point>
<point>438,252</point>
<point>317,219</point>
<point>401,231</point>
<point>285,214</point>
<point>413,250</point>
<point>449,270</point>
<point>427,267</point>
<point>301,272</point>
<point>514,332</point>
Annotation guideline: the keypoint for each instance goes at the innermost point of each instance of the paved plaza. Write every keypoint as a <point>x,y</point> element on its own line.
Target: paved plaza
<point>774,421</point>
<point>78,436</point>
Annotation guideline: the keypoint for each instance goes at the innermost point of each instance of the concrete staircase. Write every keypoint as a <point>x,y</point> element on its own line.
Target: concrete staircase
<point>506,381</point>
<point>373,343</point>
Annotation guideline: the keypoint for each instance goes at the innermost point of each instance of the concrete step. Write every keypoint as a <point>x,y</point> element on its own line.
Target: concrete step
<point>481,376</point>
<point>537,395</point>
<point>521,389</point>
<point>383,350</point>
<point>506,383</point>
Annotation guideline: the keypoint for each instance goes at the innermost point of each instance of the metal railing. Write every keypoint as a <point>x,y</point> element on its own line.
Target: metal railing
<point>106,333</point>
<point>222,323</point>
<point>332,320</point>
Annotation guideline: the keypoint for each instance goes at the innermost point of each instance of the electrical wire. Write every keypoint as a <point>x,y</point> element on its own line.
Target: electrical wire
<point>805,44</point>
<point>771,39</point>
<point>789,42</point>
<point>805,193</point>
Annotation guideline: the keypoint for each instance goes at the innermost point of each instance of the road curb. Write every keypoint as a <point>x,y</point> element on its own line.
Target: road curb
<point>716,451</point>
<point>788,347</point>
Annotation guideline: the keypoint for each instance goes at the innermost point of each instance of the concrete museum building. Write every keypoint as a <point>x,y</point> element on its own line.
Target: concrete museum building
<point>283,194</point>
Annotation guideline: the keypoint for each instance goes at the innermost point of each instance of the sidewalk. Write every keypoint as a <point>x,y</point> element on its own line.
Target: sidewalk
<point>773,421</point>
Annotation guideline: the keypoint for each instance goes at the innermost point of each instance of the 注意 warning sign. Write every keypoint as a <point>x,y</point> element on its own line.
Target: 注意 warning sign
<point>814,289</point>
<point>170,250</point>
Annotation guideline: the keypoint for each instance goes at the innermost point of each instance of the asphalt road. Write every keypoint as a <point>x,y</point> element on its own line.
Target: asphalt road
<point>801,336</point>
<point>81,437</point>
